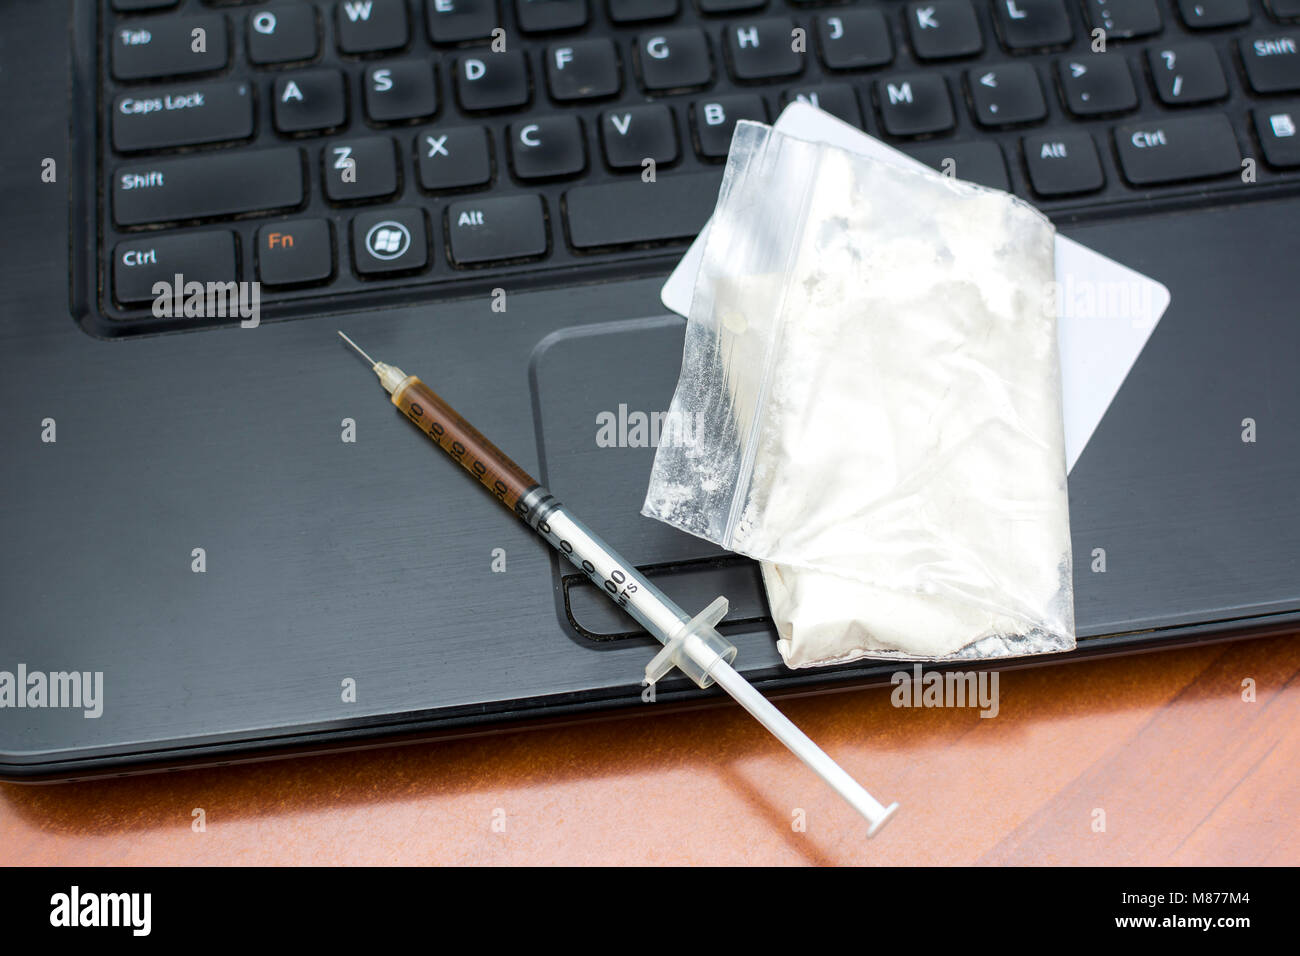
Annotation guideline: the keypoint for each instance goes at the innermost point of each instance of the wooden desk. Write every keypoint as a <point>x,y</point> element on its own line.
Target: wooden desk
<point>1184,769</point>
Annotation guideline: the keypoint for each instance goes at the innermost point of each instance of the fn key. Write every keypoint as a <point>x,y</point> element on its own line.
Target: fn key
<point>295,252</point>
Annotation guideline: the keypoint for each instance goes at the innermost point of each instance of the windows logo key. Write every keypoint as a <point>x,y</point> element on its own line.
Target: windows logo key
<point>390,241</point>
<point>387,240</point>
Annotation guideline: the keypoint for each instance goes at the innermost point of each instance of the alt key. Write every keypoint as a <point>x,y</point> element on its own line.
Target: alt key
<point>496,229</point>
<point>1063,163</point>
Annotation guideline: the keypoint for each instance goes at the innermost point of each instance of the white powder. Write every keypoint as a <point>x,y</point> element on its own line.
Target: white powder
<point>871,357</point>
<point>908,491</point>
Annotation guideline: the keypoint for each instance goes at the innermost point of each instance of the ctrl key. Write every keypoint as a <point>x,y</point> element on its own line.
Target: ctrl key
<point>196,256</point>
<point>1173,149</point>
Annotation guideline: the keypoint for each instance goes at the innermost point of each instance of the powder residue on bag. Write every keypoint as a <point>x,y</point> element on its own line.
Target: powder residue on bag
<point>902,471</point>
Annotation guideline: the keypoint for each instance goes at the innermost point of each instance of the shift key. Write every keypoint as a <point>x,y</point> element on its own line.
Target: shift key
<point>207,187</point>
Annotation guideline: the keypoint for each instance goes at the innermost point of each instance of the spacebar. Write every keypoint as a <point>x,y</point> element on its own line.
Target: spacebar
<point>620,214</point>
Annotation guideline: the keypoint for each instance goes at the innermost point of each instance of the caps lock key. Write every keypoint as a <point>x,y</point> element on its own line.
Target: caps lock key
<point>183,116</point>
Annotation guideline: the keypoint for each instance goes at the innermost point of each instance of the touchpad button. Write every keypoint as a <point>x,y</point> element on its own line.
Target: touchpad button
<point>601,394</point>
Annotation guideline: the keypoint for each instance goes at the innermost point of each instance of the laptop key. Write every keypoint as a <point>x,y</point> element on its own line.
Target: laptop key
<point>762,49</point>
<point>454,21</point>
<point>974,162</point>
<point>295,252</point>
<point>729,6</point>
<point>389,240</point>
<point>1284,9</point>
<point>854,39</point>
<point>360,168</point>
<point>453,157</point>
<point>400,90</point>
<point>1032,24</point>
<point>1187,73</point>
<point>196,256</point>
<point>547,147</point>
<point>1097,83</point>
<point>1279,133</point>
<point>636,11</point>
<point>583,70</point>
<point>1125,19</point>
<point>1005,95</point>
<point>224,183</point>
<point>371,26</point>
<point>282,33</point>
<point>914,105</point>
<point>837,99</point>
<point>671,207</point>
<point>492,81</point>
<point>942,29</point>
<point>674,59</point>
<point>1176,148</point>
<point>496,229</point>
<point>632,135</point>
<point>715,120</point>
<point>1063,163</point>
<point>1272,62</point>
<point>308,100</point>
<point>1210,14</point>
<point>547,16</point>
<point>183,116</point>
<point>169,46</point>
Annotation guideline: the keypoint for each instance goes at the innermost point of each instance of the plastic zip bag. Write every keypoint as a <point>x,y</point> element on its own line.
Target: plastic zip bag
<point>870,403</point>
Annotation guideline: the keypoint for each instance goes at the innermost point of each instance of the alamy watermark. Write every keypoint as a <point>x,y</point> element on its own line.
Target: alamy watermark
<point>56,689</point>
<point>1137,302</point>
<point>946,689</point>
<point>75,908</point>
<point>636,429</point>
<point>179,299</point>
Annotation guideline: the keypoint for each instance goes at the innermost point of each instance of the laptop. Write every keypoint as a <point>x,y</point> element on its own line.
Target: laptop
<point>211,517</point>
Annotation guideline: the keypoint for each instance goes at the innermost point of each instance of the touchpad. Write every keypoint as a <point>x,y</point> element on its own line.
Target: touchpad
<point>601,393</point>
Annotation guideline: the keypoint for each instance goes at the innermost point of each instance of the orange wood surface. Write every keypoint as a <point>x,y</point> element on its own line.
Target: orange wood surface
<point>1185,770</point>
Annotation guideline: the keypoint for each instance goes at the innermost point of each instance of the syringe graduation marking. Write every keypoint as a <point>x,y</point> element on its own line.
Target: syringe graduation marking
<point>703,654</point>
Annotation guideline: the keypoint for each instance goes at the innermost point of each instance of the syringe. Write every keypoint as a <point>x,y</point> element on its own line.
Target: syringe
<point>690,643</point>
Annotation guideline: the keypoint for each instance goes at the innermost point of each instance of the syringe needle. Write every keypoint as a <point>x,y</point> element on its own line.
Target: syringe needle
<point>358,349</point>
<point>691,645</point>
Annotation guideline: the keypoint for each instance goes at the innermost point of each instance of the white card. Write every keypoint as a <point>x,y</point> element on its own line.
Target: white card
<point>1108,310</point>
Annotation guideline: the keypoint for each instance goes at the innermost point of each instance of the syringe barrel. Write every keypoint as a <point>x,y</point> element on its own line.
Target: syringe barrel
<point>493,468</point>
<point>631,590</point>
<point>521,493</point>
<point>608,570</point>
<point>693,645</point>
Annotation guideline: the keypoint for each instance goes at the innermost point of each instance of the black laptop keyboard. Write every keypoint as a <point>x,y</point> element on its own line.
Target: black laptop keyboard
<point>365,152</point>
